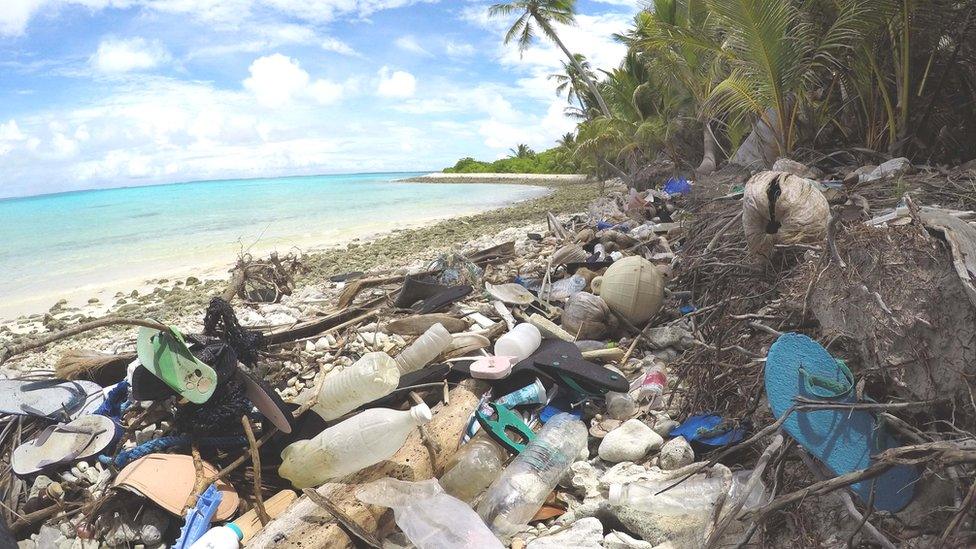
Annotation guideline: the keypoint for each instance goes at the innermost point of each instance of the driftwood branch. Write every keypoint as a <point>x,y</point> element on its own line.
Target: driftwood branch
<point>38,342</point>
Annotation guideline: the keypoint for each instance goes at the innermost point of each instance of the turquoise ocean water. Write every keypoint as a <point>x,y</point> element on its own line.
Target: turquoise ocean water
<point>75,245</point>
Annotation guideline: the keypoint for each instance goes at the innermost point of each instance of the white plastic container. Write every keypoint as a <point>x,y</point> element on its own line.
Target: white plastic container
<point>358,442</point>
<point>220,537</point>
<point>373,376</point>
<point>515,497</point>
<point>521,342</point>
<point>424,349</point>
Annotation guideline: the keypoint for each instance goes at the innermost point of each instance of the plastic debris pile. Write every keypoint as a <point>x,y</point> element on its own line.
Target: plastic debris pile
<point>675,367</point>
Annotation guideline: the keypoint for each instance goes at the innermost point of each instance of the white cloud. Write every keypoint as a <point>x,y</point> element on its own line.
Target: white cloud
<point>409,43</point>
<point>117,55</point>
<point>338,46</point>
<point>276,80</point>
<point>400,84</point>
<point>15,14</point>
<point>10,136</point>
<point>458,49</point>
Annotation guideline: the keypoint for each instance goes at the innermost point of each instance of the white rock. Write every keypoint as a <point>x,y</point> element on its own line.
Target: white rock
<point>309,347</point>
<point>675,454</point>
<point>583,534</point>
<point>322,344</point>
<point>583,477</point>
<point>620,540</point>
<point>629,442</point>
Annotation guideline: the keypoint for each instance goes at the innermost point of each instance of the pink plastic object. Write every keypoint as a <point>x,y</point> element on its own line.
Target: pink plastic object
<point>492,367</point>
<point>653,384</point>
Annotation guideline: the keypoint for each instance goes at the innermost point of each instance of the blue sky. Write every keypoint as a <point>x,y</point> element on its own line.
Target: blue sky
<point>105,93</point>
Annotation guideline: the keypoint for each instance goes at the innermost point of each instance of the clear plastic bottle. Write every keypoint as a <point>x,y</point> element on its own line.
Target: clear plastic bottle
<point>520,342</point>
<point>697,495</point>
<point>515,497</point>
<point>220,537</point>
<point>358,442</point>
<point>475,466</point>
<point>424,349</point>
<point>430,518</point>
<point>561,290</point>
<point>373,376</point>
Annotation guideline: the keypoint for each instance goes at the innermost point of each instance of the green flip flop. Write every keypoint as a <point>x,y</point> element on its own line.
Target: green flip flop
<point>167,356</point>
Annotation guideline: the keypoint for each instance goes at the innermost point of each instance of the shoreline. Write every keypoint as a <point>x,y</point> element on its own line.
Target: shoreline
<point>531,179</point>
<point>171,300</point>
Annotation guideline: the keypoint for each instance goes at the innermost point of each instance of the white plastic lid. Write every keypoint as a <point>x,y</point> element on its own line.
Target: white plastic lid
<point>421,413</point>
<point>616,494</point>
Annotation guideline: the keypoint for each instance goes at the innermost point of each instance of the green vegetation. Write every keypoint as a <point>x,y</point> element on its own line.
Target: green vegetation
<point>523,160</point>
<point>874,78</point>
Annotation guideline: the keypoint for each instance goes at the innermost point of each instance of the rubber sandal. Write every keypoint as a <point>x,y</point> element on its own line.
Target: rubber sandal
<point>166,355</point>
<point>63,443</point>
<point>842,439</point>
<point>49,398</point>
<point>168,479</point>
<point>427,296</point>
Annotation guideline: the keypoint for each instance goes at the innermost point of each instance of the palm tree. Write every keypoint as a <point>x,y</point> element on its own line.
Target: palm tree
<point>573,85</point>
<point>568,140</point>
<point>542,14</point>
<point>521,151</point>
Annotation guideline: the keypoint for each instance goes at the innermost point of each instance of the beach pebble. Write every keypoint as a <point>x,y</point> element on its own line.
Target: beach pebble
<point>152,526</point>
<point>584,478</point>
<point>675,454</point>
<point>629,442</point>
<point>669,336</point>
<point>309,347</point>
<point>322,344</point>
<point>583,534</point>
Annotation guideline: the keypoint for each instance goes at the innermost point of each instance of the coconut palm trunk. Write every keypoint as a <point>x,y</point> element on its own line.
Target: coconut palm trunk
<point>708,162</point>
<point>572,59</point>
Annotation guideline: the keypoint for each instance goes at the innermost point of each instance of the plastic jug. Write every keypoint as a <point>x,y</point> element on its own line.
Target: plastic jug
<point>424,349</point>
<point>515,497</point>
<point>475,466</point>
<point>220,537</point>
<point>358,442</point>
<point>521,342</point>
<point>428,517</point>
<point>373,376</point>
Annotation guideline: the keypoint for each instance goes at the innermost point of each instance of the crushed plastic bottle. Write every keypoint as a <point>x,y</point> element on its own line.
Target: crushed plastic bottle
<point>425,349</point>
<point>653,383</point>
<point>697,495</point>
<point>373,376</point>
<point>430,518</point>
<point>473,468</point>
<point>358,442</point>
<point>515,497</point>
<point>561,290</point>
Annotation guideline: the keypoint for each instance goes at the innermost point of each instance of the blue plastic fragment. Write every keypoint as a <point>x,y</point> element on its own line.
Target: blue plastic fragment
<point>687,309</point>
<point>677,185</point>
<point>198,517</point>
<point>709,430</point>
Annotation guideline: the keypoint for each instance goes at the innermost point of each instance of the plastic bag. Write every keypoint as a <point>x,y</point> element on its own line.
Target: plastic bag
<point>799,211</point>
<point>429,517</point>
<point>587,316</point>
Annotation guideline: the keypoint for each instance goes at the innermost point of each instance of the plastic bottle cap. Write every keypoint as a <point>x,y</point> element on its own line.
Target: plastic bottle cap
<point>616,494</point>
<point>236,529</point>
<point>421,413</point>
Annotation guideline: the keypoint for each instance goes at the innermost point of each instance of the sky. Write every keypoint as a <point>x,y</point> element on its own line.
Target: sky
<point>109,93</point>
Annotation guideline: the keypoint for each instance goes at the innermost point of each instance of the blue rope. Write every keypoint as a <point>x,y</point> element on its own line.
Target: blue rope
<point>165,443</point>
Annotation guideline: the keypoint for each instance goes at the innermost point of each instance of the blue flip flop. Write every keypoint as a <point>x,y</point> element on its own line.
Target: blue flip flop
<point>843,440</point>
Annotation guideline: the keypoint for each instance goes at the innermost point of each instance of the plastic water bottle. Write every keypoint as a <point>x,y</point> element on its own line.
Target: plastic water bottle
<point>430,518</point>
<point>373,376</point>
<point>518,494</point>
<point>697,495</point>
<point>475,466</point>
<point>521,342</point>
<point>358,442</point>
<point>220,537</point>
<point>561,290</point>
<point>653,384</point>
<point>424,349</point>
